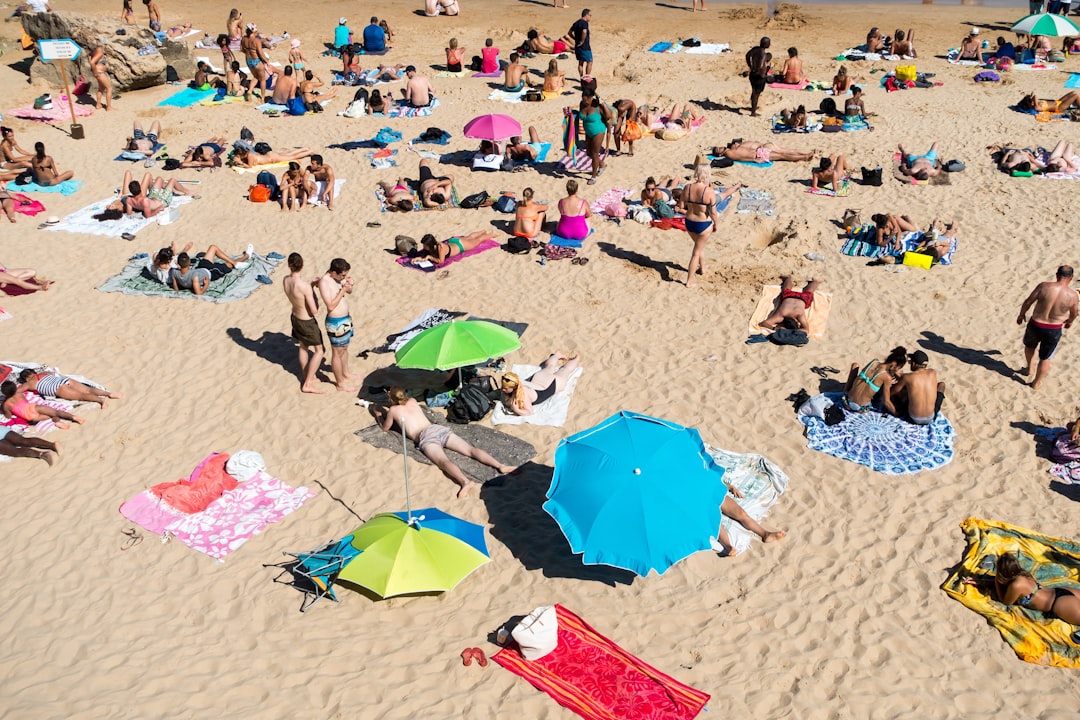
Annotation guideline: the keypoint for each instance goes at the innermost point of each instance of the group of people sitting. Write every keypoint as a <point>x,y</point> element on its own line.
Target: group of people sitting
<point>881,385</point>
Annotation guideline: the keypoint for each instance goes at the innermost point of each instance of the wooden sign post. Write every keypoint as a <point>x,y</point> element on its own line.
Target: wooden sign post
<point>60,51</point>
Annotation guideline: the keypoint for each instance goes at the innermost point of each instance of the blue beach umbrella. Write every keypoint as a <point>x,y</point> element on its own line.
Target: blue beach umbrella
<point>636,492</point>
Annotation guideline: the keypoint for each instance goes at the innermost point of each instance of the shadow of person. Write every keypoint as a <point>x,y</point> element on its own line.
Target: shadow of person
<point>1072,492</point>
<point>273,347</point>
<point>971,356</point>
<point>1044,437</point>
<point>518,521</point>
<point>662,268</point>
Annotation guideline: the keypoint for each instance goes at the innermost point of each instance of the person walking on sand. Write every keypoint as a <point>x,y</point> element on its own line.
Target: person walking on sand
<point>431,439</point>
<point>333,287</point>
<point>305,328</point>
<point>1055,309</point>
<point>757,60</point>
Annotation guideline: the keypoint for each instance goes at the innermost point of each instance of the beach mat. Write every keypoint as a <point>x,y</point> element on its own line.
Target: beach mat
<point>58,113</point>
<point>790,86</point>
<point>881,442</point>
<point>68,187</point>
<point>708,49</point>
<point>493,74</point>
<point>1073,83</point>
<point>580,161</point>
<point>186,98</point>
<point>756,202</point>
<point>407,111</point>
<point>843,191</point>
<point>135,279</point>
<point>453,202</point>
<point>82,221</point>
<point>552,413</point>
<point>482,247</point>
<point>592,676</point>
<point>505,448</point>
<point>863,244</point>
<point>1034,636</point>
<point>761,483</point>
<point>817,314</point>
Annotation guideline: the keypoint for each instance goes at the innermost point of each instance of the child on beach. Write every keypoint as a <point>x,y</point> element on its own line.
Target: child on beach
<point>296,56</point>
<point>17,405</point>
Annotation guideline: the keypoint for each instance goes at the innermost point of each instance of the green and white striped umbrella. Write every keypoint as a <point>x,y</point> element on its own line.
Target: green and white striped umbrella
<point>1046,24</point>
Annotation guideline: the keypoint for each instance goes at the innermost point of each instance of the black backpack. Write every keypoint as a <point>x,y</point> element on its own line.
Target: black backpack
<point>475,200</point>
<point>468,405</point>
<point>269,179</point>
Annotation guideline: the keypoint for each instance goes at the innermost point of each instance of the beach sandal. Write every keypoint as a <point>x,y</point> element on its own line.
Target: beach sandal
<point>134,537</point>
<point>128,236</point>
<point>374,224</point>
<point>275,256</point>
<point>467,657</point>
<point>759,338</point>
<point>138,256</point>
<point>481,659</point>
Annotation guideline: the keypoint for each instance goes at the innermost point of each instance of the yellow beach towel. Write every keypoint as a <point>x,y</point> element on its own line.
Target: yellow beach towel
<point>1053,561</point>
<point>259,168</point>
<point>817,314</point>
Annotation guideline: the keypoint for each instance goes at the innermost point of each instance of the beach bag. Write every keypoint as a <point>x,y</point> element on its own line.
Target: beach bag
<point>475,200</point>
<point>538,633</point>
<point>722,162</point>
<point>871,177</point>
<point>505,204</point>
<point>1003,64</point>
<point>663,210</point>
<point>469,405</point>
<point>259,193</point>
<point>533,95</point>
<point>171,164</point>
<point>906,72</point>
<point>296,106</point>
<point>476,64</point>
<point>404,245</point>
<point>518,245</point>
<point>262,148</point>
<point>632,131</point>
<point>955,166</point>
<point>81,87</point>
<point>357,108</point>
<point>1064,450</point>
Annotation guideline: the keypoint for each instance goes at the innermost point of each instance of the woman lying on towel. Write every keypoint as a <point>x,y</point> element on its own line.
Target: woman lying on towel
<point>1016,586</point>
<point>205,154</point>
<point>25,278</point>
<point>397,197</point>
<point>13,444</point>
<point>439,252</point>
<point>530,216</point>
<point>937,243</point>
<point>17,405</point>
<point>863,385</point>
<point>521,396</point>
<point>54,385</point>
<point>249,158</point>
<point>1032,104</point>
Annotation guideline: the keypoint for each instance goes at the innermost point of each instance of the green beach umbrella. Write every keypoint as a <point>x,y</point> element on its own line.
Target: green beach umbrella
<point>456,344</point>
<point>1046,24</point>
<point>422,551</point>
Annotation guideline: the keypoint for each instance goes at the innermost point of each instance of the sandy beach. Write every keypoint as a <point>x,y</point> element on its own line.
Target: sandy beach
<point>844,618</point>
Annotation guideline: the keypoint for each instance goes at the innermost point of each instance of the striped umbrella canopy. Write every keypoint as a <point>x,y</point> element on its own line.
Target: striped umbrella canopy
<point>1046,24</point>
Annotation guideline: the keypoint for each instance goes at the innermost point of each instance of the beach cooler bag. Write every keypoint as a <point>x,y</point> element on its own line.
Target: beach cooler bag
<point>906,72</point>
<point>538,633</point>
<point>918,260</point>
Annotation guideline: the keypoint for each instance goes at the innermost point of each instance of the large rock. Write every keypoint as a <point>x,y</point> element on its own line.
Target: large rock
<point>128,69</point>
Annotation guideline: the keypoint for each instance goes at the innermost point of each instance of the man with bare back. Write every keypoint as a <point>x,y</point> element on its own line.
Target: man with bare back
<point>305,328</point>
<point>1055,309</point>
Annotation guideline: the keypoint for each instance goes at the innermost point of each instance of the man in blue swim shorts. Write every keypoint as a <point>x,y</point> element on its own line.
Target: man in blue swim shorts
<point>582,36</point>
<point>920,167</point>
<point>333,287</point>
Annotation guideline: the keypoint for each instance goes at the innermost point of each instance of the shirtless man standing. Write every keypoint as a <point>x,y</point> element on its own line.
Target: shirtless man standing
<point>418,91</point>
<point>1055,309</point>
<point>757,60</point>
<point>918,394</point>
<point>154,13</point>
<point>305,328</point>
<point>791,310</point>
<point>333,287</point>
<point>431,439</point>
<point>324,174</point>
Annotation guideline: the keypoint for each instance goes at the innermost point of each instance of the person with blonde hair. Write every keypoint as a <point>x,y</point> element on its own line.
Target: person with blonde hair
<point>698,202</point>
<point>521,397</point>
<point>529,216</point>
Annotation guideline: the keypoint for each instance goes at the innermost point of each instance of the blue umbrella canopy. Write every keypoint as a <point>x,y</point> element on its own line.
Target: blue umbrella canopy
<point>636,492</point>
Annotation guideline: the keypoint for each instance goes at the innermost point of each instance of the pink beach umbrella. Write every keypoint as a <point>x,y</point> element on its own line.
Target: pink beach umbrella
<point>492,127</point>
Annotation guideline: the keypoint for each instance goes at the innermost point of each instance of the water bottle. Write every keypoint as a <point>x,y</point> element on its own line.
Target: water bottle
<point>814,256</point>
<point>543,260</point>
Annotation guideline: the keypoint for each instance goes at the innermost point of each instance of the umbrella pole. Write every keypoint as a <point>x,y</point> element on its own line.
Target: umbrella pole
<point>405,457</point>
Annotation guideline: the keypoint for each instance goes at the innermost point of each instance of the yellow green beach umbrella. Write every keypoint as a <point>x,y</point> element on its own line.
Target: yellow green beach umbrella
<point>456,344</point>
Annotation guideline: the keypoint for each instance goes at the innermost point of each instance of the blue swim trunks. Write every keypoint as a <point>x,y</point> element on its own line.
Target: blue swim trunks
<point>339,330</point>
<point>583,55</point>
<point>931,156</point>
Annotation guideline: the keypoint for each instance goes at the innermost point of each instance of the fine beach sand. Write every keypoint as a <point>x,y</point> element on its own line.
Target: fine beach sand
<point>842,619</point>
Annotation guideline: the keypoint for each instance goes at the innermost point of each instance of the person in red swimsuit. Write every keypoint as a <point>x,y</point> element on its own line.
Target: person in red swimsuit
<point>792,306</point>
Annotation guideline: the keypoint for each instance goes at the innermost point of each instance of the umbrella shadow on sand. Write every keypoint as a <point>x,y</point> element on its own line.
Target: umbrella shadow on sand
<point>518,521</point>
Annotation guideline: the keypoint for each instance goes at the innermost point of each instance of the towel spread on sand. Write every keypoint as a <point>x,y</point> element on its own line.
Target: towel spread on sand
<point>228,521</point>
<point>58,112</point>
<point>320,187</point>
<point>216,100</point>
<point>483,246</point>
<point>492,74</point>
<point>381,159</point>
<point>801,85</point>
<point>883,443</point>
<point>552,413</point>
<point>505,448</point>
<point>135,279</point>
<point>453,202</point>
<point>614,196</point>
<point>595,678</point>
<point>68,187</point>
<point>1055,562</point>
<point>24,205</point>
<point>186,98</point>
<point>862,243</point>
<point>559,241</point>
<point>580,161</point>
<point>408,111</point>
<point>708,49</point>
<point>755,202</point>
<point>843,191</point>
<point>813,124</point>
<point>666,47</point>
<point>509,96</point>
<point>817,314</point>
<point>760,481</point>
<point>82,221</point>
<point>1073,83</point>
<point>449,74</point>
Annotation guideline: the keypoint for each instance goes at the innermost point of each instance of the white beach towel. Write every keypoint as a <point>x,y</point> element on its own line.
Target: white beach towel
<point>551,413</point>
<point>708,49</point>
<point>507,96</point>
<point>320,186</point>
<point>82,221</point>
<point>761,483</point>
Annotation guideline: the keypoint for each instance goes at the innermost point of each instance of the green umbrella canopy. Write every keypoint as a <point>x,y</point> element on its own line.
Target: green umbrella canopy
<point>1046,24</point>
<point>397,558</point>
<point>456,344</point>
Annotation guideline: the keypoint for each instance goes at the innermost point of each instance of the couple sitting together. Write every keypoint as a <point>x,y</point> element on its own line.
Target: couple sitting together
<point>914,396</point>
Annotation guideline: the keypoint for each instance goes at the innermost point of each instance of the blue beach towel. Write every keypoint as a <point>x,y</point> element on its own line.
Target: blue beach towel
<point>660,47</point>
<point>883,443</point>
<point>558,241</point>
<point>186,98</point>
<point>68,187</point>
<point>1073,83</point>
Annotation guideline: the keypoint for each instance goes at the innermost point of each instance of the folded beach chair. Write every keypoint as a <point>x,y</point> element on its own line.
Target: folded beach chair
<point>320,568</point>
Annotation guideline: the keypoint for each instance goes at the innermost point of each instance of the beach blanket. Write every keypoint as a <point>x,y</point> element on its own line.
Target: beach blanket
<point>382,159</point>
<point>862,243</point>
<point>669,48</point>
<point>408,111</point>
<point>881,442</point>
<point>756,202</point>
<point>228,522</point>
<point>449,74</point>
<point>135,279</point>
<point>557,241</point>
<point>855,124</point>
<point>272,107</point>
<point>761,483</point>
<point>320,186</point>
<point>595,678</point>
<point>1055,562</point>
<point>506,448</point>
<point>709,49</point>
<point>1073,83</point>
<point>813,124</point>
<point>186,98</point>
<point>817,314</point>
<point>492,74</point>
<point>509,96</point>
<point>58,112</point>
<point>82,221</point>
<point>843,191</point>
<point>68,187</point>
<point>453,202</point>
<point>552,413</point>
<point>859,53</point>
<point>801,85</point>
<point>580,160</point>
<point>614,196</point>
<point>484,246</point>
<point>216,100</point>
<point>240,170</point>
<point>24,205</point>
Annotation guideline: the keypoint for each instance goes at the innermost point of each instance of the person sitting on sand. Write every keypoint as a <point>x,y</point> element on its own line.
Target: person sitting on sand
<point>417,92</point>
<point>398,197</point>
<point>529,217</point>
<point>831,170</point>
<point>164,260</point>
<point>574,214</point>
<point>1015,586</point>
<point>792,306</point>
<point>455,54</point>
<point>521,397</point>
<point>1005,49</point>
<point>888,229</point>
<point>795,119</point>
<point>554,79</point>
<point>1032,104</point>
<point>920,167</point>
<point>971,47</point>
<point>665,191</point>
<point>54,385</point>
<point>918,395</point>
<point>432,8</point>
<point>13,156</point>
<point>841,82</point>
<point>25,278</point>
<point>17,405</point>
<point>875,43</point>
<point>434,191</point>
<point>206,154</point>
<point>545,45</point>
<point>320,172</point>
<point>376,103</point>
<point>244,157</point>
<point>309,93</point>
<point>293,187</point>
<point>14,444</point>
<point>44,169</point>
<point>437,252</point>
<point>1040,44</point>
<point>904,44</point>
<point>792,74</point>
<point>855,106</point>
<point>284,88</point>
<point>431,439</point>
<point>761,153</point>
<point>515,75</point>
<point>876,377</point>
<point>237,84</point>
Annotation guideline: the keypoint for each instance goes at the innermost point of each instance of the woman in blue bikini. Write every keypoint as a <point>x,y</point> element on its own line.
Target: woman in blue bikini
<point>875,377</point>
<point>698,201</point>
<point>1016,586</point>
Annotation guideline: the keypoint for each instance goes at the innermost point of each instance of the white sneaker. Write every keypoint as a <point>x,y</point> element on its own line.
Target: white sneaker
<point>241,265</point>
<point>250,250</point>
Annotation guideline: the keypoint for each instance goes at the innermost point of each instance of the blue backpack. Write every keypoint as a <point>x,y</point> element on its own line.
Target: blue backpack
<point>269,179</point>
<point>297,106</point>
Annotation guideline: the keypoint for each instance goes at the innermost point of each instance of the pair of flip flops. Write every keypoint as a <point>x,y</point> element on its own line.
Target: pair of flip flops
<point>579,261</point>
<point>470,654</point>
